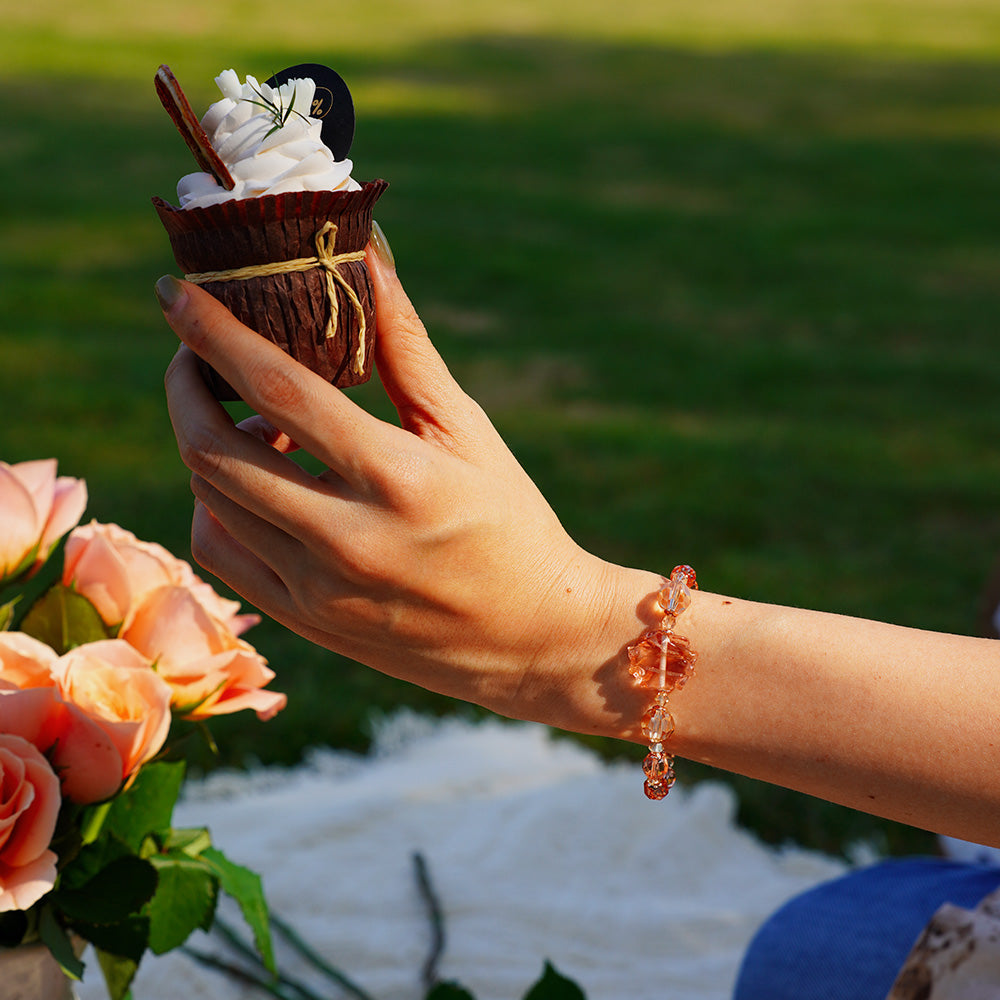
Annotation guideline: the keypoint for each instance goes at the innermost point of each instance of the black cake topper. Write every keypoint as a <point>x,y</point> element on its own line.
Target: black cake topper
<point>332,104</point>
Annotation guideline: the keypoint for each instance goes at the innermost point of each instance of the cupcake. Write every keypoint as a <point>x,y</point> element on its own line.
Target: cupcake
<point>274,225</point>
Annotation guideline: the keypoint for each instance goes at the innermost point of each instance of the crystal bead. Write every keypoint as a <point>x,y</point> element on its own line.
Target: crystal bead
<point>657,724</point>
<point>655,791</point>
<point>658,650</point>
<point>674,598</point>
<point>657,767</point>
<point>662,698</point>
<point>686,574</point>
<point>638,670</point>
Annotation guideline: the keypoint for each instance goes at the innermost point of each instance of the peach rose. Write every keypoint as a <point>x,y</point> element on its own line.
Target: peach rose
<point>37,508</point>
<point>31,707</point>
<point>116,688</point>
<point>211,670</point>
<point>116,572</point>
<point>87,762</point>
<point>25,662</point>
<point>29,807</point>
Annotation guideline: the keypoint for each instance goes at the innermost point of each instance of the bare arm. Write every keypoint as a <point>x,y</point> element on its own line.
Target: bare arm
<point>426,552</point>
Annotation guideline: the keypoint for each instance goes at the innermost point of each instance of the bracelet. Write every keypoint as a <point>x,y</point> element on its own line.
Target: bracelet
<point>662,660</point>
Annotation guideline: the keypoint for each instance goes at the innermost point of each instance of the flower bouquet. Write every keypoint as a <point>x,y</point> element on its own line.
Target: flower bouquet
<point>93,671</point>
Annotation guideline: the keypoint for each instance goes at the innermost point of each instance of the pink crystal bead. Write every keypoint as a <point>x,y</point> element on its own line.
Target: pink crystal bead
<point>659,648</point>
<point>656,766</point>
<point>656,791</point>
<point>664,660</point>
<point>674,598</point>
<point>657,724</point>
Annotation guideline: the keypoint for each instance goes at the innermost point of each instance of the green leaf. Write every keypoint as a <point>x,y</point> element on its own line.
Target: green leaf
<point>128,938</point>
<point>64,619</point>
<point>192,842</point>
<point>7,614</point>
<point>54,935</point>
<point>449,991</point>
<point>184,901</point>
<point>553,986</point>
<point>148,806</point>
<point>245,887</point>
<point>90,859</point>
<point>118,973</point>
<point>115,893</point>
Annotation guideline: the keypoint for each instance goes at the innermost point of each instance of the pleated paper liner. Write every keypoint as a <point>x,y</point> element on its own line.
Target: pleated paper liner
<point>292,308</point>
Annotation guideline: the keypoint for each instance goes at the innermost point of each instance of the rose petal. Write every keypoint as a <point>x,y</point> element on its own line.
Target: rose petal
<point>21,888</point>
<point>68,505</point>
<point>22,526</point>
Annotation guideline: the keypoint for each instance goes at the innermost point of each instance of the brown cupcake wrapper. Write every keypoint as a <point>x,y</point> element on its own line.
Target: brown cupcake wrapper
<point>291,309</point>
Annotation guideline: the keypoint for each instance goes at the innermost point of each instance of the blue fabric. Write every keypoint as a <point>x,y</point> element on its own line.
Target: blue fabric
<point>846,939</point>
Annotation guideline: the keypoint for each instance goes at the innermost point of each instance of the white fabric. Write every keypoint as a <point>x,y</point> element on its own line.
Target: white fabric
<point>536,848</point>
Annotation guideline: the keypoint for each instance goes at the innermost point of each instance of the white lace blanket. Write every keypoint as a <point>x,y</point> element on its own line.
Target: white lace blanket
<point>537,850</point>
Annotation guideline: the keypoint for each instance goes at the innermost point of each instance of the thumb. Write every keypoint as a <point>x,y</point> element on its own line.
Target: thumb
<point>414,375</point>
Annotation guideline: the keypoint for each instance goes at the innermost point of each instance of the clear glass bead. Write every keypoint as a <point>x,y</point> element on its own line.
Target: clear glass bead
<point>657,724</point>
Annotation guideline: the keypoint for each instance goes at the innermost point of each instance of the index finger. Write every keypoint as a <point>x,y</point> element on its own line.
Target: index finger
<point>319,417</point>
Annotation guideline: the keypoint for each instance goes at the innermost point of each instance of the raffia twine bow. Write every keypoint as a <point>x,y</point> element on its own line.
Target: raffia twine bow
<point>325,258</point>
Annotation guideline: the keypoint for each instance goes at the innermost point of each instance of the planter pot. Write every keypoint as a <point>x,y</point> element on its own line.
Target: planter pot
<point>29,972</point>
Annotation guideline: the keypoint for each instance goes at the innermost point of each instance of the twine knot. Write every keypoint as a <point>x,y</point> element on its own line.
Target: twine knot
<point>325,240</point>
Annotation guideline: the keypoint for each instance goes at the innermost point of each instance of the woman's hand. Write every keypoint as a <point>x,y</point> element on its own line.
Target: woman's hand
<point>426,552</point>
<point>422,550</point>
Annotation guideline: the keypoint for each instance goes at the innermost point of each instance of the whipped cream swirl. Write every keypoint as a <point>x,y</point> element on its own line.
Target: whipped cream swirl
<point>261,158</point>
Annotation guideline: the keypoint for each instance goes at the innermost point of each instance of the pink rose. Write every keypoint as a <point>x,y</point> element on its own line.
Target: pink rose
<point>88,763</point>
<point>211,670</point>
<point>116,688</point>
<point>25,662</point>
<point>37,508</point>
<point>29,807</point>
<point>116,572</point>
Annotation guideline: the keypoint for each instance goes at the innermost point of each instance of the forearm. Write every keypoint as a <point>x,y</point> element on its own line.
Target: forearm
<point>898,722</point>
<point>424,551</point>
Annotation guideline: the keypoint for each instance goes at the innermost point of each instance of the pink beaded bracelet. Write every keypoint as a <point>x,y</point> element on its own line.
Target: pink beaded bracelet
<point>662,660</point>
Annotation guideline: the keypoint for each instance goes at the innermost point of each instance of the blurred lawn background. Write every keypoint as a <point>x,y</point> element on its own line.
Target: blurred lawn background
<point>725,275</point>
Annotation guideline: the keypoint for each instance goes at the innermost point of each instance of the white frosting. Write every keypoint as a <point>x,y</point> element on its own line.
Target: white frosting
<point>290,158</point>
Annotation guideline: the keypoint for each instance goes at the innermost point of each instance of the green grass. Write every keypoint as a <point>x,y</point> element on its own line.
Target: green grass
<point>726,276</point>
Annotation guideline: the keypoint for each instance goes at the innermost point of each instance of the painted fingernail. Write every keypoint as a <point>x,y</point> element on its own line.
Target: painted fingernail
<point>381,246</point>
<point>169,291</point>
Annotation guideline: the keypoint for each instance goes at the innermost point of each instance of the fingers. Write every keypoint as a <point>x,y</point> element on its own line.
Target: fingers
<point>238,462</point>
<point>262,429</point>
<point>231,532</point>
<point>215,549</point>
<point>304,406</point>
<point>416,379</point>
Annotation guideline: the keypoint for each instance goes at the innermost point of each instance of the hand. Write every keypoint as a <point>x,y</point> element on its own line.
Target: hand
<point>422,550</point>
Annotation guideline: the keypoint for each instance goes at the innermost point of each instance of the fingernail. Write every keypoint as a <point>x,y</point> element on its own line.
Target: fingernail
<point>169,291</point>
<point>381,246</point>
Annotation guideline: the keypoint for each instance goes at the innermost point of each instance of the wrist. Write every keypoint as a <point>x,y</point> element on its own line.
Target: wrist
<point>587,687</point>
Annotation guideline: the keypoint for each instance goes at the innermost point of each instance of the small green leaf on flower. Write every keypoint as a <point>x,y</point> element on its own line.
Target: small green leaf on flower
<point>148,806</point>
<point>184,901</point>
<point>244,886</point>
<point>116,891</point>
<point>118,973</point>
<point>127,939</point>
<point>64,619</point>
<point>54,935</point>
